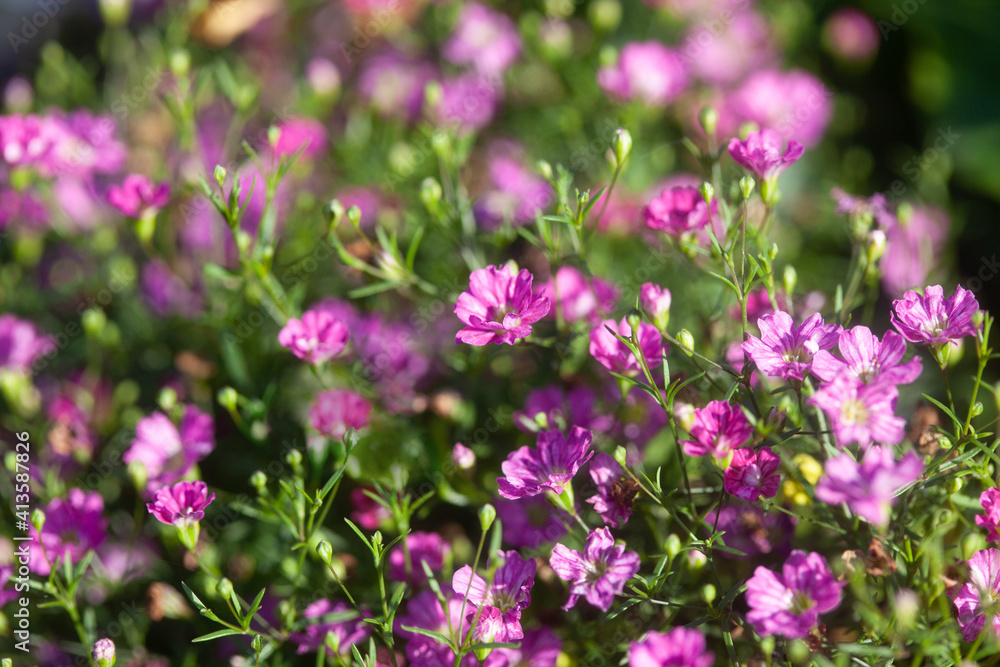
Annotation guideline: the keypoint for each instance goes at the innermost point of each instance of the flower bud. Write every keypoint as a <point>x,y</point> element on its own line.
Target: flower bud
<point>294,458</point>
<point>228,398</point>
<point>104,653</point>
<point>354,216</point>
<point>708,593</point>
<point>977,408</point>
<point>696,560</point>
<point>332,642</point>
<point>655,302</point>
<point>672,546</point>
<point>324,551</point>
<point>273,135</point>
<point>621,456</point>
<point>772,252</point>
<point>38,519</point>
<point>94,320</point>
<point>167,399</point>
<point>790,279</point>
<point>463,457</point>
<point>257,644</point>
<point>224,588</point>
<point>180,62</point>
<point>707,193</point>
<point>258,480</point>
<point>622,145</point>
<point>487,514</point>
<point>219,174</point>
<point>545,169</point>
<point>708,118</point>
<point>605,15</point>
<point>634,319</point>
<point>747,185</point>
<point>876,245</point>
<point>686,341</point>
<point>334,213</point>
<point>430,193</point>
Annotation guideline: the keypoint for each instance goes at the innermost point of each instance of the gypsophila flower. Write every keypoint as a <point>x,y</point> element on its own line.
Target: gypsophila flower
<point>182,504</point>
<point>615,356</point>
<point>679,210</point>
<point>761,153</point>
<point>423,547</point>
<point>752,474</point>
<point>932,319</point>
<point>499,306</point>
<point>74,525</point>
<point>681,647</point>
<point>104,652</point>
<point>646,71</point>
<point>499,604</point>
<point>718,428</point>
<point>539,648</point>
<point>352,631</point>
<point>977,601</point>
<point>483,38</point>
<point>860,413</point>
<point>166,452</point>
<point>599,573</point>
<point>655,302</point>
<point>316,338</point>
<point>21,343</point>
<point>785,350</point>
<point>336,410</point>
<point>424,611</point>
<point>990,519</point>
<point>790,604</point>
<point>868,359</point>
<point>869,488</point>
<point>549,466</point>
<point>576,296</point>
<point>615,490</point>
<point>137,196</point>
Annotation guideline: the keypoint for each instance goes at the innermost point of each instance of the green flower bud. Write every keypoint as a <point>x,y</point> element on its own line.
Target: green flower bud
<point>257,644</point>
<point>332,642</point>
<point>545,169</point>
<point>747,185</point>
<point>790,279</point>
<point>294,458</point>
<point>243,242</point>
<point>219,174</point>
<point>977,408</point>
<point>180,62</point>
<point>430,193</point>
<point>621,456</point>
<point>708,118</point>
<point>799,652</point>
<point>334,213</point>
<point>137,472</point>
<point>258,480</point>
<point>622,145</point>
<point>672,546</point>
<point>224,588</point>
<point>354,216</point>
<point>38,519</point>
<point>707,192</point>
<point>487,514</point>
<point>686,341</point>
<point>634,319</point>
<point>605,15</point>
<point>772,252</point>
<point>273,135</point>
<point>167,399</point>
<point>324,551</point>
<point>94,320</point>
<point>228,398</point>
<point>708,593</point>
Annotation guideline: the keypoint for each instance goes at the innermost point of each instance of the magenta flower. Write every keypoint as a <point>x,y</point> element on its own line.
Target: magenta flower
<point>784,350</point>
<point>615,490</point>
<point>300,133</point>
<point>761,153</point>
<point>790,604</point>
<point>485,39</point>
<point>336,410</point>
<point>316,338</point>
<point>367,512</point>
<point>518,194</point>
<point>501,602</point>
<point>137,196</point>
<point>467,103</point>
<point>539,648</point>
<point>561,409</point>
<point>747,528</point>
<point>463,457</point>
<point>499,306</point>
<point>578,297</point>
<point>794,104</point>
<point>21,343</point>
<point>718,429</point>
<point>393,84</point>
<point>990,519</point>
<point>167,453</point>
<point>599,573</point>
<point>655,302</point>
<point>548,467</point>
<point>425,611</point>
<point>7,594</point>
<point>860,413</point>
<point>679,210</point>
<point>851,34</point>
<point>182,504</point>
<point>352,631</point>
<point>976,601</point>
<point>646,71</point>
<point>723,53</point>
<point>933,320</point>
<point>681,647</point>
<point>428,548</point>
<point>615,356</point>
<point>867,359</point>
<point>752,474</point>
<point>914,249</point>
<point>869,488</point>
<point>73,526</point>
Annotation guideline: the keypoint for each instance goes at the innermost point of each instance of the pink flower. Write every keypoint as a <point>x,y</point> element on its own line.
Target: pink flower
<point>167,453</point>
<point>393,84</point>
<point>794,104</point>
<point>867,359</point>
<point>501,602</point>
<point>752,474</point>
<point>681,647</point>
<point>307,134</point>
<point>723,51</point>
<point>73,526</point>
<point>615,490</point>
<point>615,356</point>
<point>646,71</point>
<point>578,297</point>
<point>529,521</point>
<point>851,34</point>
<point>548,467</point>
<point>316,338</point>
<point>561,409</point>
<point>485,39</point>
<point>655,302</point>
<point>499,306</point>
<point>915,245</point>
<point>367,513</point>
<point>518,193</point>
<point>468,102</point>
<point>336,410</point>
<point>428,548</point>
<point>539,648</point>
<point>761,153</point>
<point>463,457</point>
<point>786,351</point>
<point>679,210</point>
<point>931,319</point>
<point>425,611</point>
<point>21,343</point>
<point>976,601</point>
<point>790,604</point>
<point>747,528</point>
<point>182,504</point>
<point>348,632</point>
<point>860,413</point>
<point>138,196</point>
<point>599,573</point>
<point>718,429</point>
<point>990,519</point>
<point>869,488</point>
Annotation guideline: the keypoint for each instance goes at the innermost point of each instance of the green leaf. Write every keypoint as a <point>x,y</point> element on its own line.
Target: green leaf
<point>428,633</point>
<point>194,598</point>
<point>226,632</point>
